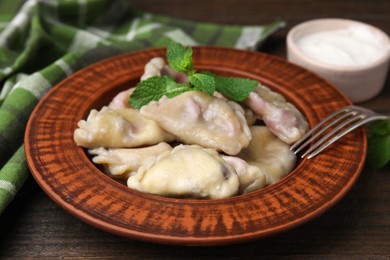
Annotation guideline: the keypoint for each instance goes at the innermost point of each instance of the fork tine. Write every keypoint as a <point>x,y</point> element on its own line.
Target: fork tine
<point>320,131</point>
<point>352,118</point>
<point>321,144</point>
<point>364,120</point>
<point>315,128</point>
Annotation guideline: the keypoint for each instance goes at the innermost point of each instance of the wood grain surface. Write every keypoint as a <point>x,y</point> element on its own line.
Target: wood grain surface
<point>357,227</point>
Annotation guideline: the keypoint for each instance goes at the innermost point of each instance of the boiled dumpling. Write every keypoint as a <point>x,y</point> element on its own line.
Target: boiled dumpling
<point>187,171</point>
<point>265,161</point>
<point>121,100</point>
<point>196,118</point>
<point>157,67</point>
<point>251,177</point>
<point>120,163</point>
<point>153,68</point>
<point>280,116</point>
<point>267,152</point>
<point>117,128</point>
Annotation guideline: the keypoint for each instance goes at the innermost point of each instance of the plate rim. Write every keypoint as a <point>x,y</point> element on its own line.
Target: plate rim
<point>168,239</point>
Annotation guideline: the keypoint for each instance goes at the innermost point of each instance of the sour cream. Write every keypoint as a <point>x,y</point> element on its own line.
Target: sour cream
<point>352,46</point>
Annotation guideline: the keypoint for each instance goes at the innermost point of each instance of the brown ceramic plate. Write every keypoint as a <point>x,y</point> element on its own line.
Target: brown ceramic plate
<point>65,173</point>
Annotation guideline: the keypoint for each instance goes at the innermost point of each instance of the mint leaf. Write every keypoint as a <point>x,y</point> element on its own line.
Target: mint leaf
<point>203,82</point>
<point>378,154</point>
<point>237,89</point>
<point>180,58</point>
<point>155,88</point>
<point>381,127</point>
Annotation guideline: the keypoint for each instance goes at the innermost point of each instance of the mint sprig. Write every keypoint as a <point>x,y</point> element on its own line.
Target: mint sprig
<point>378,154</point>
<point>237,89</point>
<point>203,82</point>
<point>180,60</point>
<point>155,88</point>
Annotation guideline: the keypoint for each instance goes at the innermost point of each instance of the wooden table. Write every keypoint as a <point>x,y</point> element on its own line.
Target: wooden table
<point>358,227</point>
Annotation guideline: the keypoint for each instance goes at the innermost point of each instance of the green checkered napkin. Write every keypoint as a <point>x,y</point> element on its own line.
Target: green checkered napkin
<point>44,41</point>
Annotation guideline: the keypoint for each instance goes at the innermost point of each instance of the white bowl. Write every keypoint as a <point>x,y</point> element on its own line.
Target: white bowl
<point>359,81</point>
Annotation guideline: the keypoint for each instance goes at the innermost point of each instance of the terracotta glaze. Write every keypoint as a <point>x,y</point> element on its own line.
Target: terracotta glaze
<point>67,175</point>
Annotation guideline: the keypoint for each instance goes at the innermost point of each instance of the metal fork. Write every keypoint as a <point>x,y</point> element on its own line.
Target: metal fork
<point>339,124</point>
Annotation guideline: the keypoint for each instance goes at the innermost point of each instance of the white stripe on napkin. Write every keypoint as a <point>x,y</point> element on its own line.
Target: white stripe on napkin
<point>249,37</point>
<point>64,66</point>
<point>8,186</point>
<point>181,37</point>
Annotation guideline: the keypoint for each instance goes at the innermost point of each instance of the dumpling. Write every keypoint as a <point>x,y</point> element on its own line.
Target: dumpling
<point>121,99</point>
<point>267,152</point>
<point>120,163</point>
<point>251,177</point>
<point>196,118</point>
<point>118,128</point>
<point>157,67</point>
<point>265,161</point>
<point>281,117</point>
<point>187,171</point>
<point>153,68</point>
